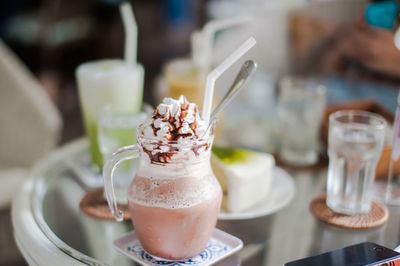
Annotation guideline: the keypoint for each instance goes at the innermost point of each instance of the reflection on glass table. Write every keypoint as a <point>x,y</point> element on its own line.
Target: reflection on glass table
<point>50,229</point>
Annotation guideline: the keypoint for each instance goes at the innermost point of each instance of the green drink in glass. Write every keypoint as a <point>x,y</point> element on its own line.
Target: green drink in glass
<point>112,83</point>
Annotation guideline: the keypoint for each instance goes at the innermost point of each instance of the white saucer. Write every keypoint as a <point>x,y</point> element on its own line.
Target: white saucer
<point>281,193</point>
<point>221,245</point>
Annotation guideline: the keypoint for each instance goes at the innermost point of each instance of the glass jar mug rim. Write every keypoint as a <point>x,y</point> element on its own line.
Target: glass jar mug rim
<point>187,142</point>
<point>379,121</point>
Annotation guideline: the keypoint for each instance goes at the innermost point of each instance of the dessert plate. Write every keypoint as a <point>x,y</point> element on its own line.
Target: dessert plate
<point>220,246</point>
<point>281,193</point>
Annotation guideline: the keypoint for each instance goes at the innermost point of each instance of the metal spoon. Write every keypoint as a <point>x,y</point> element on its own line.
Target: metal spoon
<point>247,70</point>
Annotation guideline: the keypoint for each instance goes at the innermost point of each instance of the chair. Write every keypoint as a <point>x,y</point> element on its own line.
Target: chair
<point>30,124</point>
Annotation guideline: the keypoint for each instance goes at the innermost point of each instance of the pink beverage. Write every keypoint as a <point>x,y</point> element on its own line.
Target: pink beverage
<point>176,230</point>
<point>174,198</point>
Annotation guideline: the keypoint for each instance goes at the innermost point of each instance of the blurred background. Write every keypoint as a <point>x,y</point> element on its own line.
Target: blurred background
<point>53,37</point>
<point>337,43</point>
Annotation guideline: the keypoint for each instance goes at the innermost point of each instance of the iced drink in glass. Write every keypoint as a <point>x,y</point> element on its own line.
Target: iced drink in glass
<point>107,82</point>
<point>184,78</point>
<point>301,106</point>
<point>174,198</point>
<point>117,130</point>
<point>354,148</point>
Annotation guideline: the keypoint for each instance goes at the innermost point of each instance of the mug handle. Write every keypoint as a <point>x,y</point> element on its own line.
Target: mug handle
<point>121,155</point>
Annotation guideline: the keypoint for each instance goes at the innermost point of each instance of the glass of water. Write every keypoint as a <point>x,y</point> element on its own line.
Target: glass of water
<point>115,130</point>
<point>354,146</point>
<point>301,104</point>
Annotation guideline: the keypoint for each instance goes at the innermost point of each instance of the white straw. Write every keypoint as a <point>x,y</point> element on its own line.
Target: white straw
<point>131,33</point>
<point>216,73</point>
<point>212,27</point>
<point>202,41</point>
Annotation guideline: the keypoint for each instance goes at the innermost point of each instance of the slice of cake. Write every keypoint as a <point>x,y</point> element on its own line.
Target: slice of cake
<point>245,176</point>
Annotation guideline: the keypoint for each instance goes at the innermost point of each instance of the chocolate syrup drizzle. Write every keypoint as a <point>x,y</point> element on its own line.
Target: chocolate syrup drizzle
<point>173,135</point>
<point>175,124</point>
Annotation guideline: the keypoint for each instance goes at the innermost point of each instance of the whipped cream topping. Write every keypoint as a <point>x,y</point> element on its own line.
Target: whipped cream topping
<point>176,132</point>
<point>176,119</point>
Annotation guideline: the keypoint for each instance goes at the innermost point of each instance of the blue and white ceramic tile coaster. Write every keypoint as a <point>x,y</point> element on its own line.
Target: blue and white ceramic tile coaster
<point>221,245</point>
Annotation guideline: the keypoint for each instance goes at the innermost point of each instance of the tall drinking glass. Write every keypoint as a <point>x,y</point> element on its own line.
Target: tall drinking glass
<point>183,78</point>
<point>392,195</point>
<point>107,82</point>
<point>301,104</point>
<point>354,146</point>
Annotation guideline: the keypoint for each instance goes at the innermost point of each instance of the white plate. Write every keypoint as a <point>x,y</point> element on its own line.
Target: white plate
<point>281,193</point>
<point>220,246</point>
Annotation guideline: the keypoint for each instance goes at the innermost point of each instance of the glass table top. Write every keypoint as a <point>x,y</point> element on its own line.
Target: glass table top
<point>291,233</point>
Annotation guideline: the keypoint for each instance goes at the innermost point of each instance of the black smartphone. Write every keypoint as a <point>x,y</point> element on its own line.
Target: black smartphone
<point>362,254</point>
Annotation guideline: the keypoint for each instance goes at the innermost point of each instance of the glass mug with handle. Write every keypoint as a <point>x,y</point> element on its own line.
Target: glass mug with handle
<point>174,199</point>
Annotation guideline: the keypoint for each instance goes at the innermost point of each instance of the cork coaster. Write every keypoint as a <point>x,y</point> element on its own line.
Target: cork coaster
<point>94,204</point>
<point>377,216</point>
